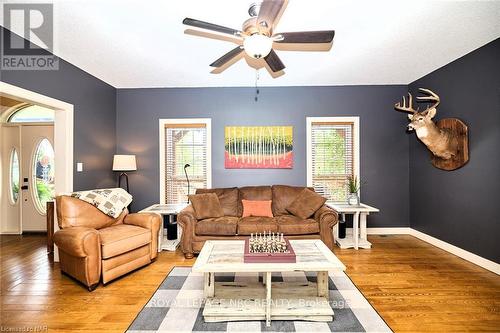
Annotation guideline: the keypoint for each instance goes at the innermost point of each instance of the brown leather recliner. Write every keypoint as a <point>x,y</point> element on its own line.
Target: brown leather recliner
<point>233,226</point>
<point>94,245</point>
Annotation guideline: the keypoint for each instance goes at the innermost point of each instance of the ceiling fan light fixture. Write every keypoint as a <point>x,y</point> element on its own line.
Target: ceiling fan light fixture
<point>257,46</point>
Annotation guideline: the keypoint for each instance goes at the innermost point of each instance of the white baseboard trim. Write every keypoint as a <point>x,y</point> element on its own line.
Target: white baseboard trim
<point>459,252</point>
<point>10,233</point>
<point>469,256</point>
<point>388,231</point>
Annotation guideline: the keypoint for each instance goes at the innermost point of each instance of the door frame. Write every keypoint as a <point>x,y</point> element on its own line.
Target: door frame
<point>63,134</point>
<point>21,126</point>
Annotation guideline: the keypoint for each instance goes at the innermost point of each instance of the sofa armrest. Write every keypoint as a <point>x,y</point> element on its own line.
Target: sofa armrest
<point>327,218</point>
<point>79,242</point>
<point>326,215</point>
<point>149,221</point>
<point>187,219</point>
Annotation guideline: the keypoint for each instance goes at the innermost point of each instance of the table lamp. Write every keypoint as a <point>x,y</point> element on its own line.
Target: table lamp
<point>124,163</point>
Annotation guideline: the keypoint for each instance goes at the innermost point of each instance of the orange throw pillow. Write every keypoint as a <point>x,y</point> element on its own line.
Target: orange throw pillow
<point>257,208</point>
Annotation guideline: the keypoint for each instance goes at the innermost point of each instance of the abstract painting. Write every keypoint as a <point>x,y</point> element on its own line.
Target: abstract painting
<point>258,147</point>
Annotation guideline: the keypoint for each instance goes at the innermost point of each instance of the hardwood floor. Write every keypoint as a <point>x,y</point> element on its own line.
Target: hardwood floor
<point>414,286</point>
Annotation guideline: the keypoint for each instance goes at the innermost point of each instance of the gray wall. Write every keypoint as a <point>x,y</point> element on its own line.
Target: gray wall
<point>94,117</point>
<point>384,145</point>
<point>461,207</point>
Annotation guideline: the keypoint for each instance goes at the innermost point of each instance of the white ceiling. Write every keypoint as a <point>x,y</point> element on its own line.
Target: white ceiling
<point>138,44</point>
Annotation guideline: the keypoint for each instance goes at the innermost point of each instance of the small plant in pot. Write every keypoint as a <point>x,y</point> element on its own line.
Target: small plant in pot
<point>354,186</point>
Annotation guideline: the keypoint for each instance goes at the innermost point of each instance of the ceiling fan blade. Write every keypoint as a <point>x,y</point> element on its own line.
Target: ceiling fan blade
<point>213,35</point>
<point>211,26</point>
<point>274,62</point>
<point>227,57</point>
<point>269,14</point>
<point>325,36</point>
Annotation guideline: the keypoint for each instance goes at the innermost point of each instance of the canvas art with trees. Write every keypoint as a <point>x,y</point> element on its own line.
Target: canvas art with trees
<point>258,147</point>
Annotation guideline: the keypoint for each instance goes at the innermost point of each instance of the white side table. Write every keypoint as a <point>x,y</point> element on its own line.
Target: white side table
<point>166,209</point>
<point>358,238</point>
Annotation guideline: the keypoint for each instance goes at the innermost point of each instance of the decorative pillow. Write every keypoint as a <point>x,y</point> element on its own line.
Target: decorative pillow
<point>257,208</point>
<point>306,204</point>
<point>206,205</point>
<point>228,198</point>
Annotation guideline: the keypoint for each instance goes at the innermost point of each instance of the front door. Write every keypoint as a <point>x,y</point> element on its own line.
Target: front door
<point>37,175</point>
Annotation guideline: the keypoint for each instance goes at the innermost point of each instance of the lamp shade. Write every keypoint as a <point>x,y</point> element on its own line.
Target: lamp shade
<point>124,163</point>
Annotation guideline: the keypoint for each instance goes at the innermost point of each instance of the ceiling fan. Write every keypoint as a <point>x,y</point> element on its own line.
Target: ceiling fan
<point>258,34</point>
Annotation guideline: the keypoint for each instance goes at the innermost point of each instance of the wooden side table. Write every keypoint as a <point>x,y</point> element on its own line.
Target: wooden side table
<point>358,238</point>
<point>166,210</point>
<point>50,226</point>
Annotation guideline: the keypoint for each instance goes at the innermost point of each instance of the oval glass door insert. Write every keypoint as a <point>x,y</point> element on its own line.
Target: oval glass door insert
<point>43,175</point>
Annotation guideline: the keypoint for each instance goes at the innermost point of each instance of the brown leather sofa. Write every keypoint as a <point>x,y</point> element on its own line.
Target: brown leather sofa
<point>93,245</point>
<point>233,226</point>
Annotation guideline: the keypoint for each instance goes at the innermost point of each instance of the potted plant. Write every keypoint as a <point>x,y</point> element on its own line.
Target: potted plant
<point>354,186</point>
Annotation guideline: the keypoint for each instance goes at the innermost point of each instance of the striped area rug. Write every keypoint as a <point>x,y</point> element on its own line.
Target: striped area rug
<point>177,306</point>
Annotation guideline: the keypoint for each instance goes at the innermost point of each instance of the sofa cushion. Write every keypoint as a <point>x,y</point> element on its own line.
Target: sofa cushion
<point>283,196</point>
<point>306,204</point>
<point>206,205</point>
<point>293,225</point>
<point>122,238</point>
<point>218,226</point>
<point>253,193</point>
<point>228,198</point>
<point>257,208</point>
<point>255,224</point>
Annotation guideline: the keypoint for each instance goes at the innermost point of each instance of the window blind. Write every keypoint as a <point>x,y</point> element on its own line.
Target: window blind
<point>185,144</point>
<point>332,147</point>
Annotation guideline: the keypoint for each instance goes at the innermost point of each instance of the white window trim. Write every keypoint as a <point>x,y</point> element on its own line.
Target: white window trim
<point>310,121</point>
<point>162,124</point>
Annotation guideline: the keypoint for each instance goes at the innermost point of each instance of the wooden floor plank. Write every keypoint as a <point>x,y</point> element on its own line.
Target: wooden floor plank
<point>414,286</point>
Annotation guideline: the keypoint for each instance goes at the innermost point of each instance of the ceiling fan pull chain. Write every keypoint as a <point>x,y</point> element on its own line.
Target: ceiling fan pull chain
<point>257,76</point>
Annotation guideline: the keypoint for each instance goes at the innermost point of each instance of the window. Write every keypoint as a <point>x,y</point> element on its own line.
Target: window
<point>43,175</point>
<point>14,176</point>
<point>184,142</point>
<point>32,114</point>
<point>332,155</point>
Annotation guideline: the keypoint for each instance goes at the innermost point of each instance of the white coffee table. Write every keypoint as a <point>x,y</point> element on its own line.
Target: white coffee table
<point>236,301</point>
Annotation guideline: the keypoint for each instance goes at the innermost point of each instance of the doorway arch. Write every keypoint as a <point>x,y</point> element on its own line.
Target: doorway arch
<point>63,136</point>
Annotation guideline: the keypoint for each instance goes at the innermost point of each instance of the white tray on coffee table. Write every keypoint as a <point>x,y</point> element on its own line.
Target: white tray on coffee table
<point>236,301</point>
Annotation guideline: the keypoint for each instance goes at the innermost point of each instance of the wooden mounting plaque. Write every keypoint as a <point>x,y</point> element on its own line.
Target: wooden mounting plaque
<point>460,131</point>
<point>288,257</point>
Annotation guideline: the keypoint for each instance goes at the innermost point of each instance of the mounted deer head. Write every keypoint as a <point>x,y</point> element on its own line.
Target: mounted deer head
<point>441,142</point>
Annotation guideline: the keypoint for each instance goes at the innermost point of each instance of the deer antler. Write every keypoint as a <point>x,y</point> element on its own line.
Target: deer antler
<point>406,108</point>
<point>432,97</point>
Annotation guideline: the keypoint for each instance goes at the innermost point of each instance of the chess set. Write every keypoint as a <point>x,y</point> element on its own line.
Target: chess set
<point>268,248</point>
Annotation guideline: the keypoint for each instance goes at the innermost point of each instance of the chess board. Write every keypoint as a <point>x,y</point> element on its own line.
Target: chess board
<point>266,257</point>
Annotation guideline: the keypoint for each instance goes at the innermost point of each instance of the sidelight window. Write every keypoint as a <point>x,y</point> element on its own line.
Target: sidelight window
<point>14,176</point>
